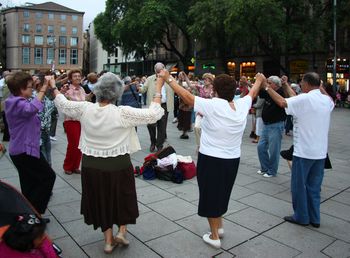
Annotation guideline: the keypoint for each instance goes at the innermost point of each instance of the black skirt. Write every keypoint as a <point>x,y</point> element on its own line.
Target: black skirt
<point>108,191</point>
<point>216,178</point>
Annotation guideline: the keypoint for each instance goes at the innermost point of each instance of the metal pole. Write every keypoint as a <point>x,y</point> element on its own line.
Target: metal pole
<point>195,56</point>
<point>335,44</point>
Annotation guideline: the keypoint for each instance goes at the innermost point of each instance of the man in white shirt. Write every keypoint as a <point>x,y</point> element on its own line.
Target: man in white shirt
<point>157,131</point>
<point>311,113</point>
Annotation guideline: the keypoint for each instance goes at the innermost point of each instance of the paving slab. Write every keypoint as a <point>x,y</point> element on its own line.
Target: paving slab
<point>64,195</point>
<point>343,197</point>
<point>300,238</point>
<point>181,244</point>
<point>254,219</point>
<point>262,247</point>
<point>266,187</point>
<point>152,194</point>
<point>334,227</point>
<point>188,192</point>
<point>151,225</point>
<point>338,249</point>
<point>269,204</point>
<point>135,249</point>
<point>336,209</point>
<point>70,249</point>
<point>174,208</point>
<point>67,211</point>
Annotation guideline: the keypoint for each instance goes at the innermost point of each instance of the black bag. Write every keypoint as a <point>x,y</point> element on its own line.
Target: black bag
<point>169,174</point>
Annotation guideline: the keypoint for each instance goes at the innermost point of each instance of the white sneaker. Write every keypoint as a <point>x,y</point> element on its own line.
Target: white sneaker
<point>53,138</point>
<point>221,232</point>
<point>174,120</point>
<point>259,172</point>
<point>267,175</point>
<point>212,242</point>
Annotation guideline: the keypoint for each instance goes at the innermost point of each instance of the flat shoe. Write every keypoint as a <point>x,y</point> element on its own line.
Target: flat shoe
<point>221,232</point>
<point>109,248</point>
<point>68,172</point>
<point>120,239</point>
<point>214,243</point>
<point>292,220</point>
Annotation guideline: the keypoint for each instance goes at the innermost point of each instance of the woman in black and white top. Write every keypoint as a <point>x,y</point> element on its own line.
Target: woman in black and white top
<point>218,157</point>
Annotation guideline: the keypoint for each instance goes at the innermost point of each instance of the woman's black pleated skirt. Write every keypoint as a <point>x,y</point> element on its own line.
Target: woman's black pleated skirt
<point>216,178</point>
<point>108,191</point>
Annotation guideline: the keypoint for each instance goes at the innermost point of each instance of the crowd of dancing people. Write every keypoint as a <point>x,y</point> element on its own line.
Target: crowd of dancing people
<point>101,115</point>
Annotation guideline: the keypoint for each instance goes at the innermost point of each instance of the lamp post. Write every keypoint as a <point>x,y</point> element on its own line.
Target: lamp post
<point>195,55</point>
<point>335,44</point>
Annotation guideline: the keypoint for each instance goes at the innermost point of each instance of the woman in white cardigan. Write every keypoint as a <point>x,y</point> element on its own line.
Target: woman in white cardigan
<point>107,139</point>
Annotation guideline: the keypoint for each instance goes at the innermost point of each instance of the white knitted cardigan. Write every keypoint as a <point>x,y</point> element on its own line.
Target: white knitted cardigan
<point>108,131</point>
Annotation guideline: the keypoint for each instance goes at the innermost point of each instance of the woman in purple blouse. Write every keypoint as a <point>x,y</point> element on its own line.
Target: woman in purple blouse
<point>36,176</point>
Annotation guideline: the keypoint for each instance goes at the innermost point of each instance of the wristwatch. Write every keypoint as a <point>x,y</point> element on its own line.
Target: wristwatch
<point>170,80</point>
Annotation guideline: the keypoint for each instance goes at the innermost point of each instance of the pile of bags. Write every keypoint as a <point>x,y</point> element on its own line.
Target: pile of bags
<point>167,165</point>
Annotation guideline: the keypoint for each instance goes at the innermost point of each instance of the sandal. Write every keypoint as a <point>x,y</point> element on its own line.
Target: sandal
<point>120,239</point>
<point>110,247</point>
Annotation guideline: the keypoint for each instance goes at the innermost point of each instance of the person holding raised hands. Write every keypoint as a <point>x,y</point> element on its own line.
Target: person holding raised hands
<point>107,139</point>
<point>218,157</point>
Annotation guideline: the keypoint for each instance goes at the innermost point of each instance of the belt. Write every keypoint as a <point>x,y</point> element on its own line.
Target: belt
<point>270,123</point>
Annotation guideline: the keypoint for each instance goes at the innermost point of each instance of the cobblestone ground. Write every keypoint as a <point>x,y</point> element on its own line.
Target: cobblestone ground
<point>169,226</point>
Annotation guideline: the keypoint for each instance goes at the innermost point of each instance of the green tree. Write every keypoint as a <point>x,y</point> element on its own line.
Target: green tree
<point>146,24</point>
<point>209,27</point>
<point>277,27</point>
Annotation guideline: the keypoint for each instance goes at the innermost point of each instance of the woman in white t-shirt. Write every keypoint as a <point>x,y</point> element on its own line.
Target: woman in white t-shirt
<point>223,124</point>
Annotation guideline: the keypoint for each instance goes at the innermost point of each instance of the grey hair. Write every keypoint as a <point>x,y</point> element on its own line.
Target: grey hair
<point>109,87</point>
<point>158,66</point>
<point>127,80</point>
<point>276,80</point>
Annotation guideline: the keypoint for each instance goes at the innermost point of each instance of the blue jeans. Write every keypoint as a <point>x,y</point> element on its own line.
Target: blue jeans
<point>307,176</point>
<point>269,147</point>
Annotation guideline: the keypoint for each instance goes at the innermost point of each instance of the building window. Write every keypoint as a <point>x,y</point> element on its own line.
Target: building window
<point>26,27</point>
<point>38,56</point>
<point>50,40</point>
<point>74,17</point>
<point>38,40</point>
<point>62,56</point>
<point>25,39</point>
<point>74,30</point>
<point>73,41</point>
<point>38,28</point>
<point>50,55</point>
<point>26,55</point>
<point>26,14</point>
<point>63,30</point>
<point>50,29</point>
<point>63,41</point>
<point>63,17</point>
<point>38,15</point>
<point>51,16</point>
<point>74,56</point>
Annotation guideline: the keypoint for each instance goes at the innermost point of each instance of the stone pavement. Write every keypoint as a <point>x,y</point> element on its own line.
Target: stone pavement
<point>169,226</point>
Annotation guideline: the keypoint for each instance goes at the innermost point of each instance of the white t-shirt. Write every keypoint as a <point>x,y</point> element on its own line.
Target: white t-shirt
<point>311,118</point>
<point>222,127</point>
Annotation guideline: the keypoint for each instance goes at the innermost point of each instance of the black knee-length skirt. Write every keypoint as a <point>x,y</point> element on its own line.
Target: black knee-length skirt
<point>216,178</point>
<point>108,191</point>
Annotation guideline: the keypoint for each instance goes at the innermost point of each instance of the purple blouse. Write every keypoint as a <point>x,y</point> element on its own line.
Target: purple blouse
<point>24,125</point>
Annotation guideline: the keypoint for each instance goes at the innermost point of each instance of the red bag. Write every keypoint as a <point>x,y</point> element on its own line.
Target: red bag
<point>189,170</point>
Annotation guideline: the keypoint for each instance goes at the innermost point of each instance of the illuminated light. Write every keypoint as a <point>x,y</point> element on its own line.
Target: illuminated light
<point>248,64</point>
<point>338,59</point>
<point>253,63</point>
<point>229,63</point>
<point>190,67</point>
<point>244,64</point>
<point>233,64</point>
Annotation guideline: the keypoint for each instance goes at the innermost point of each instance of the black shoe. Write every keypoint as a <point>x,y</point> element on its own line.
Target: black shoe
<point>184,136</point>
<point>315,225</point>
<point>252,135</point>
<point>46,220</point>
<point>159,148</point>
<point>152,148</point>
<point>292,220</point>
